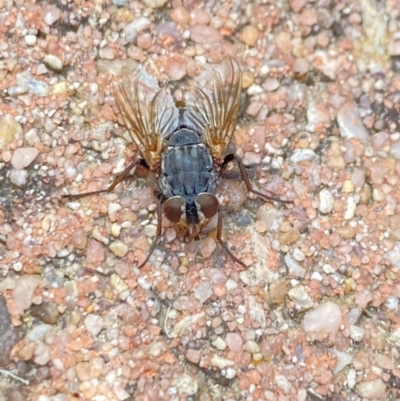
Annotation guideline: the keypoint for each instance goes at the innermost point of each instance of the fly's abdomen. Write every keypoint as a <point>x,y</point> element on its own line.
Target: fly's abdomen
<point>187,166</point>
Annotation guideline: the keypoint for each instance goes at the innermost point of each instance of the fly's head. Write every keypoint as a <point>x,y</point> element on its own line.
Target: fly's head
<point>191,212</point>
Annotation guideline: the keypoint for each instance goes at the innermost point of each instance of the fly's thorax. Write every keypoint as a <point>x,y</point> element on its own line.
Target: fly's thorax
<point>187,167</point>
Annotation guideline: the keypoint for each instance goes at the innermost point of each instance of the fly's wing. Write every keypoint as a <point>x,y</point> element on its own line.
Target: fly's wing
<point>213,109</point>
<point>149,113</point>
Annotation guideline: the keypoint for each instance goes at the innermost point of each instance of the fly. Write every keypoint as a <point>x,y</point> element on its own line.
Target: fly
<point>185,144</point>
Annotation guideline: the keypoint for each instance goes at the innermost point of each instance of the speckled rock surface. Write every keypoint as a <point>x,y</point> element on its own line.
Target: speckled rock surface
<point>314,315</point>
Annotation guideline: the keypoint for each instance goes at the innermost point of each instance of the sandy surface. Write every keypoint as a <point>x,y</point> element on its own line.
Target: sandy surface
<point>314,316</point>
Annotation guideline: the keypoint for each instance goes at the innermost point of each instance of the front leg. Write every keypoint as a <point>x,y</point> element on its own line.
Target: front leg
<point>119,179</point>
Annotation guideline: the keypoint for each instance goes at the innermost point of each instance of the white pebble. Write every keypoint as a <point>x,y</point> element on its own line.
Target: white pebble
<point>134,27</point>
<point>19,178</point>
<point>255,90</point>
<point>114,208</point>
<point>94,324</point>
<point>23,157</point>
<point>328,269</point>
<point>231,284</point>
<point>392,303</point>
<point>326,201</point>
<point>351,208</point>
<point>327,317</point>
<point>294,267</point>
<point>30,40</point>
<point>221,362</point>
<point>283,383</point>
<point>350,123</point>
<point>298,255</point>
<point>351,378</point>
<point>203,291</point>
<point>300,155</point>
<point>372,389</point>
<point>316,276</point>
<point>344,359</point>
<point>219,343</point>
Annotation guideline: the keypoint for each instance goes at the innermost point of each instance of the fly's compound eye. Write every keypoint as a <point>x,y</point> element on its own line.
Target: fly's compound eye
<point>173,208</point>
<point>209,204</point>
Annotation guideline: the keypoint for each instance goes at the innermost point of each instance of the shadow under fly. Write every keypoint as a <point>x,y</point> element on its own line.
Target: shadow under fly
<point>185,143</point>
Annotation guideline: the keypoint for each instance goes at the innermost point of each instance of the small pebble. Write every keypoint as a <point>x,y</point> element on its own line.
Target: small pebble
<point>350,209</point>
<point>326,201</point>
<point>250,35</point>
<point>286,238</point>
<point>30,40</point>
<point>344,359</point>
<point>283,383</point>
<point>118,283</point>
<point>9,129</point>
<point>118,248</point>
<point>350,123</point>
<point>155,3</point>
<point>294,268</point>
<point>47,312</point>
<point>204,34</point>
<point>50,14</point>
<point>79,239</point>
<point>230,373</point>
<point>208,247</point>
<point>347,186</point>
<point>219,343</point>
<point>23,157</point>
<point>23,291</point>
<point>351,378</point>
<point>176,70</point>
<point>193,355</point>
<point>133,28</point>
<point>221,362</point>
<point>19,178</point>
<point>234,342</point>
<point>372,389</point>
<point>42,354</point>
<point>327,317</point>
<point>180,15</point>
<point>53,62</point>
<point>95,252</point>
<point>203,291</point>
<point>300,155</point>
<point>247,79</point>
<point>94,324</point>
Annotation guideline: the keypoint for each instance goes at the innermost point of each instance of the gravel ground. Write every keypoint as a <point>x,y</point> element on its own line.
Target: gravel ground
<point>313,317</point>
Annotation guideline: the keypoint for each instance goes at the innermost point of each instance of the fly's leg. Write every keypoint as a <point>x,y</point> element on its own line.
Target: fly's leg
<point>246,180</point>
<point>158,234</point>
<point>119,179</point>
<point>223,243</point>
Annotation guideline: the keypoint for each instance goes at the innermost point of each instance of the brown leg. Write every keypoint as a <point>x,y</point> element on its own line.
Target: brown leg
<point>224,245</point>
<point>248,183</point>
<point>119,179</point>
<point>158,234</point>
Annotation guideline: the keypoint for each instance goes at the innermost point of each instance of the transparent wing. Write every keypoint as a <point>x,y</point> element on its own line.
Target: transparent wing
<point>149,113</point>
<point>214,108</point>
